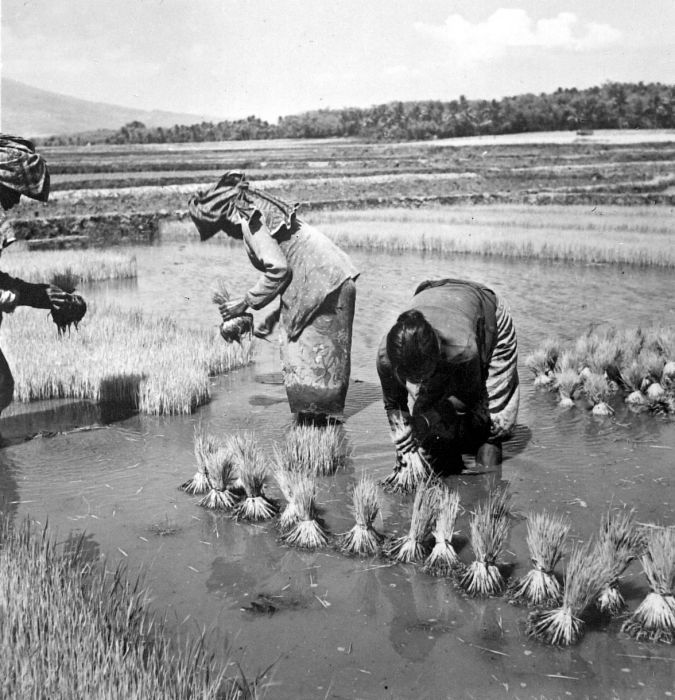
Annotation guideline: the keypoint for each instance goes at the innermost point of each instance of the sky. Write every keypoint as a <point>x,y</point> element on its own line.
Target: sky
<point>270,58</point>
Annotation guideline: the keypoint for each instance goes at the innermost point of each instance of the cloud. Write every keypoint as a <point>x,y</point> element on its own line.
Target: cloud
<point>509,28</point>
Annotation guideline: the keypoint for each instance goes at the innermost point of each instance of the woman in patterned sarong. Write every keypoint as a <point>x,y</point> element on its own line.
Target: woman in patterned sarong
<point>311,276</point>
<point>448,370</point>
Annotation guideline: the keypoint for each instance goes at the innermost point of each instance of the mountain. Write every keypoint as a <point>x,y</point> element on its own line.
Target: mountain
<point>30,112</point>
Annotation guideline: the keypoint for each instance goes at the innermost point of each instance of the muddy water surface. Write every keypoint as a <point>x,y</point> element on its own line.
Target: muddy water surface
<point>347,628</point>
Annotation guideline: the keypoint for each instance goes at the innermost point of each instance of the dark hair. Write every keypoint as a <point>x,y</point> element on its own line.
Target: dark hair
<point>412,346</point>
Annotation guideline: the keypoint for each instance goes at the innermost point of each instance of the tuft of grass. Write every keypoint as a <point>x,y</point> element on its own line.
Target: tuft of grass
<point>119,356</point>
<point>443,558</point>
<point>584,579</point>
<point>69,629</point>
<point>489,529</point>
<point>363,539</point>
<point>654,619</point>
<point>546,534</point>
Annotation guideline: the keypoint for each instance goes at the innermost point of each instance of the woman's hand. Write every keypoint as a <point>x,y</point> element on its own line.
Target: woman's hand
<point>58,299</point>
<point>401,431</point>
<point>233,307</point>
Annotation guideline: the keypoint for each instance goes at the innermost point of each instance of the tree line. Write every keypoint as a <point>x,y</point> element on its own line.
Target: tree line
<point>609,106</point>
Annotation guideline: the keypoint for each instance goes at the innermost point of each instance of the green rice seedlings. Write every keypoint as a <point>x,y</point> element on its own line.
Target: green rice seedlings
<point>598,390</point>
<point>489,530</point>
<point>319,449</point>
<point>363,539</point>
<point>567,381</point>
<point>411,468</point>
<point>584,578</point>
<point>443,558</point>
<point>220,473</point>
<point>654,618</point>
<point>253,473</point>
<point>619,542</point>
<point>546,535</point>
<point>414,547</point>
<point>308,532</point>
<point>288,484</point>
<point>205,446</point>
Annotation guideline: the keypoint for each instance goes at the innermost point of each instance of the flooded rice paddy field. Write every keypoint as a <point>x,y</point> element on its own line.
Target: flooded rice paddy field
<point>342,627</point>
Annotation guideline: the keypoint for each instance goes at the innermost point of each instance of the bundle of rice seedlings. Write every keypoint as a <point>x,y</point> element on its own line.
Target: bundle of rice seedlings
<point>308,531</point>
<point>605,357</point>
<point>654,619</point>
<point>288,484</point>
<point>566,382</point>
<point>220,474</point>
<point>253,472</point>
<point>584,578</point>
<point>318,449</point>
<point>632,376</point>
<point>598,391</point>
<point>668,374</point>
<point>411,468</point>
<point>542,362</point>
<point>619,542</point>
<point>74,310</point>
<point>489,530</point>
<point>546,534</point>
<point>205,445</point>
<point>234,329</point>
<point>363,538</point>
<point>413,547</point>
<point>443,558</point>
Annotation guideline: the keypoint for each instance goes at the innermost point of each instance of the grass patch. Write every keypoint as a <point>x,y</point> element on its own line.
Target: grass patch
<point>119,356</point>
<point>69,629</point>
<point>617,235</point>
<point>84,265</point>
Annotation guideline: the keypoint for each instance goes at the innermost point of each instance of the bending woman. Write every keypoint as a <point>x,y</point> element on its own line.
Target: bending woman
<point>448,370</point>
<point>313,278</point>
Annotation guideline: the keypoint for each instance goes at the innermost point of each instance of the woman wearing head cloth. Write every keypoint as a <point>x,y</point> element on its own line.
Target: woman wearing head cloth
<point>24,172</point>
<point>449,375</point>
<point>313,278</point>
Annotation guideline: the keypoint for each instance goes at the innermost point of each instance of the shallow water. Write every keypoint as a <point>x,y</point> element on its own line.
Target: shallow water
<point>344,627</point>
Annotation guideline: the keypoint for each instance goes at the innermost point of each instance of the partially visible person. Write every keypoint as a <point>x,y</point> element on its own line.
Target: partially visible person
<point>24,172</point>
<point>313,279</point>
<point>448,370</point>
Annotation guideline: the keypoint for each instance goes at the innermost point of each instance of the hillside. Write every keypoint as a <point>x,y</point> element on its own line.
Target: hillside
<point>32,112</point>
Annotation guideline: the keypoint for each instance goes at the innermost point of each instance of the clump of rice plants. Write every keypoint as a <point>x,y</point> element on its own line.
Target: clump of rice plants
<point>567,381</point>
<point>363,539</point>
<point>619,542</point>
<point>151,363</point>
<point>253,472</point>
<point>411,469</point>
<point>489,529</point>
<point>308,531</point>
<point>632,362</point>
<point>69,629</point>
<point>598,390</point>
<point>546,535</point>
<point>204,446</point>
<point>443,558</point>
<point>414,545</point>
<point>654,618</point>
<point>542,362</point>
<point>583,579</point>
<point>220,472</point>
<point>319,449</point>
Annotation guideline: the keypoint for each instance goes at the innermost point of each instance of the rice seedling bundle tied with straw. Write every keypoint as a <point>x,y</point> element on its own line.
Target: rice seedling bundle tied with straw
<point>584,578</point>
<point>318,449</point>
<point>237,328</point>
<point>414,546</point>
<point>443,558</point>
<point>288,484</point>
<point>363,538</point>
<point>253,473</point>
<point>654,618</point>
<point>220,472</point>
<point>308,531</point>
<point>489,529</point>
<point>619,542</point>
<point>204,446</point>
<point>411,469</point>
<point>546,534</point>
